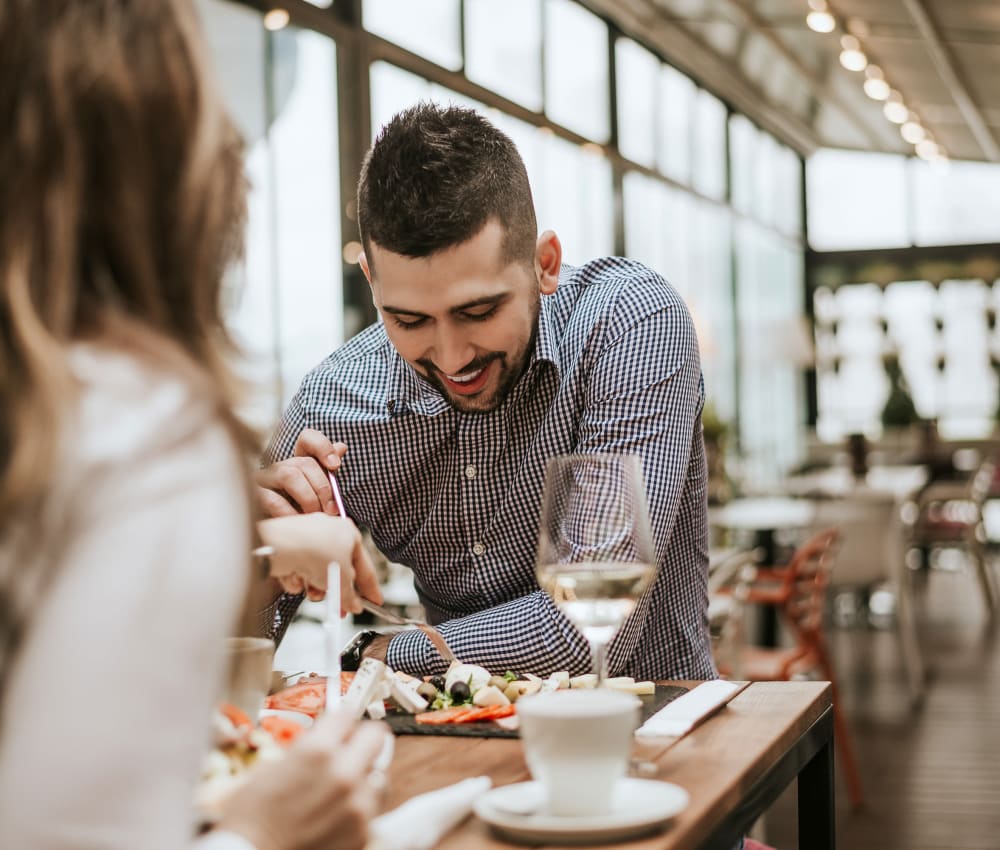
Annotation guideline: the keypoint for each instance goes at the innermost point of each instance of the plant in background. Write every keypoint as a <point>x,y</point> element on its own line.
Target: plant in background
<point>715,430</point>
<point>899,410</point>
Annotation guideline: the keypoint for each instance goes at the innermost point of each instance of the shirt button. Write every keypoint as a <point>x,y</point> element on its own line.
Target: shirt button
<point>478,549</point>
<point>470,471</point>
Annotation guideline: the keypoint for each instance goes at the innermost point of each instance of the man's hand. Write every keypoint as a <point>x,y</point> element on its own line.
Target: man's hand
<point>304,544</point>
<point>300,484</point>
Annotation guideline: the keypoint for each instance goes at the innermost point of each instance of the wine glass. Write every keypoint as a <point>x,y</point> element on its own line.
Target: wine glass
<point>595,549</point>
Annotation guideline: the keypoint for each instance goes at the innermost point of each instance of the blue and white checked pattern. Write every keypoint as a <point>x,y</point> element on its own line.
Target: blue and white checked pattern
<point>456,496</point>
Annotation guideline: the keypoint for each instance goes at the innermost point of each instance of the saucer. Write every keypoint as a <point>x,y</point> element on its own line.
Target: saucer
<point>640,806</point>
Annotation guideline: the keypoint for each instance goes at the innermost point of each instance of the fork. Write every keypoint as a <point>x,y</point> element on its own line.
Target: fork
<point>433,635</point>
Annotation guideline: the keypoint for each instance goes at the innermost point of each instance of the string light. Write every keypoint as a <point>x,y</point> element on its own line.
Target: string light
<point>894,109</point>
<point>875,85</point>
<point>851,56</point>
<point>928,149</point>
<point>912,131</point>
<point>276,19</point>
<point>819,18</point>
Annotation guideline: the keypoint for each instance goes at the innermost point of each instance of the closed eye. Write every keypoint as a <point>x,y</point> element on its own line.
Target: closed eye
<point>480,313</point>
<point>413,323</point>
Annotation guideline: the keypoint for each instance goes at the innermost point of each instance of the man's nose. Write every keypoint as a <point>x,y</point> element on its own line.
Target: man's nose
<point>452,352</point>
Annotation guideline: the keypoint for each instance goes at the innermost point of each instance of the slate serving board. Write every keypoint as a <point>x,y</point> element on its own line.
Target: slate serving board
<point>404,724</point>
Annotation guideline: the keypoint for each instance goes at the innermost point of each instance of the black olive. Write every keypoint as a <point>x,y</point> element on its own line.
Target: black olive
<point>437,682</point>
<point>460,692</point>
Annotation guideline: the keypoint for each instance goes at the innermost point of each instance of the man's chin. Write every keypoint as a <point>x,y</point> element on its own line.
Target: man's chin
<point>481,402</point>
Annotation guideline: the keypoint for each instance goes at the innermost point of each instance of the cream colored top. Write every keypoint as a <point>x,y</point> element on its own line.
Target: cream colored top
<point>106,706</point>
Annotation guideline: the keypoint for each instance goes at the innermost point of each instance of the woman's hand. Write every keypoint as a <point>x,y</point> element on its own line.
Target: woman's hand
<point>320,795</point>
<point>304,544</point>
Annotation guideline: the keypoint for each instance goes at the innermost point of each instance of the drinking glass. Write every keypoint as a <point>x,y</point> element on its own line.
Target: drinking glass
<point>595,548</point>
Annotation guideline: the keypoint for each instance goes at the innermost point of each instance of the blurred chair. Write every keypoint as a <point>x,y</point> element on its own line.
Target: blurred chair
<point>730,574</point>
<point>949,515</point>
<point>798,591</point>
<point>872,552</point>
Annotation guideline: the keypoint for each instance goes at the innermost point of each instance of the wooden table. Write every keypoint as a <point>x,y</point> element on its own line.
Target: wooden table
<point>734,766</point>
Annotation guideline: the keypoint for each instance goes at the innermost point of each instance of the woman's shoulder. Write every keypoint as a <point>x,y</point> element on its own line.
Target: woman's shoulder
<point>130,404</point>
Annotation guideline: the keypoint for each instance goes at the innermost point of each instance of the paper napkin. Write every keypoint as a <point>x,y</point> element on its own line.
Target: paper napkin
<point>678,717</point>
<point>436,813</point>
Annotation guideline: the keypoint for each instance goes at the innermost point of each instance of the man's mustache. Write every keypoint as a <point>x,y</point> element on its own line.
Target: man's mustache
<point>472,366</point>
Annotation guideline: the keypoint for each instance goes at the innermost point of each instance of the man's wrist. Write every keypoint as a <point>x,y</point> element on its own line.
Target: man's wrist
<point>378,648</point>
<point>365,644</point>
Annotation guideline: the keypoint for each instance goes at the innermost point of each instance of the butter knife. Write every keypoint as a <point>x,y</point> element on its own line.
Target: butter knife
<point>433,635</point>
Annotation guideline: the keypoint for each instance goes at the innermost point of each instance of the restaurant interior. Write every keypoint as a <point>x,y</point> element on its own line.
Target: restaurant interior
<point>820,181</point>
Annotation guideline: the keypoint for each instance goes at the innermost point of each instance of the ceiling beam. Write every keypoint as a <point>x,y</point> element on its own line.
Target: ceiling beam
<point>948,72</point>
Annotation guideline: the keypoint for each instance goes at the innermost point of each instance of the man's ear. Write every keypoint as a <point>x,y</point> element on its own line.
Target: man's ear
<point>363,262</point>
<point>548,261</point>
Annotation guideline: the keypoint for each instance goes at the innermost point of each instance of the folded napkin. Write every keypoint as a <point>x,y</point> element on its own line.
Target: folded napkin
<point>422,821</point>
<point>682,714</point>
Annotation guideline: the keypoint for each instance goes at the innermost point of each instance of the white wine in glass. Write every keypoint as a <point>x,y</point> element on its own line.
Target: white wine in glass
<point>595,549</point>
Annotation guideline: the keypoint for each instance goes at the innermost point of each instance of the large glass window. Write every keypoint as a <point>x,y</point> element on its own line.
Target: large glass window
<point>504,48</point>
<point>430,28</point>
<point>676,130</point>
<point>576,92</point>
<point>709,174</point>
<point>284,301</point>
<point>309,300</point>
<point>774,349</point>
<point>575,198</point>
<point>856,200</point>
<point>955,204</point>
<point>637,79</point>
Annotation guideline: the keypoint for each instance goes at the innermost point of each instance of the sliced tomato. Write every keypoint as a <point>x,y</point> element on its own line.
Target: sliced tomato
<point>309,697</point>
<point>442,715</point>
<point>235,715</point>
<point>283,730</point>
<point>488,712</point>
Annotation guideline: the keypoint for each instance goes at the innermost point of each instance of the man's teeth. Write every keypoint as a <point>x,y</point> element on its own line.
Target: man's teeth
<point>464,379</point>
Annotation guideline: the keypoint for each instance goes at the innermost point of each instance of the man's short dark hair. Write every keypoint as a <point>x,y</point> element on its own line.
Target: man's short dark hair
<point>434,178</point>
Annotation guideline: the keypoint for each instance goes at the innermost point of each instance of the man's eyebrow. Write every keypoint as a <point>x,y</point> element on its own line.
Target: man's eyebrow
<point>468,305</point>
<point>400,311</point>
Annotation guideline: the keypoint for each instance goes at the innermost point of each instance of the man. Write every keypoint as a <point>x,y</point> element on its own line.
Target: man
<point>492,357</point>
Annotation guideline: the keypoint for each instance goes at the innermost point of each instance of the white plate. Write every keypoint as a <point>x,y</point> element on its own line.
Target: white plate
<point>295,716</point>
<point>640,806</point>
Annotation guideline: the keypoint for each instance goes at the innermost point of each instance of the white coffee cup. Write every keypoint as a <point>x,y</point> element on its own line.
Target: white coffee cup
<point>249,660</point>
<point>577,745</point>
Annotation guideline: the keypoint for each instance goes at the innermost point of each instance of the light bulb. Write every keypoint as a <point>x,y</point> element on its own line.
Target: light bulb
<point>912,132</point>
<point>928,149</point>
<point>820,21</point>
<point>851,56</point>
<point>276,19</point>
<point>853,60</point>
<point>894,109</point>
<point>876,88</point>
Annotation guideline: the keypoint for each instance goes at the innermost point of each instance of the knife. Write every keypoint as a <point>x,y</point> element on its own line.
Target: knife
<point>433,635</point>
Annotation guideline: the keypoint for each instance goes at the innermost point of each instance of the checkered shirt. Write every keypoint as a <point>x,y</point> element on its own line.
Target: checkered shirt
<point>456,496</point>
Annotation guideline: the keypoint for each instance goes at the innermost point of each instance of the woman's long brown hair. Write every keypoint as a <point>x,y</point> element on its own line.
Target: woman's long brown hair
<point>122,199</point>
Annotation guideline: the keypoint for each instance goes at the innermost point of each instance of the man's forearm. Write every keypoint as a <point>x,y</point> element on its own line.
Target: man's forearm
<point>527,635</point>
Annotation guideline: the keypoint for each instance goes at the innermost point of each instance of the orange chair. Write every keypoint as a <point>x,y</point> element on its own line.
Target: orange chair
<point>798,592</point>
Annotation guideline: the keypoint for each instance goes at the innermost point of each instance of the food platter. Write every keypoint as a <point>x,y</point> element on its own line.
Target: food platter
<point>406,724</point>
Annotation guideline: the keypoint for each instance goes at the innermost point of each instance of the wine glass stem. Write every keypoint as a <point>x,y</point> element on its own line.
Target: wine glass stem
<point>599,656</point>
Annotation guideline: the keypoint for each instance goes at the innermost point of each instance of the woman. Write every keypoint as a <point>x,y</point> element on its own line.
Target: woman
<point>124,493</point>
